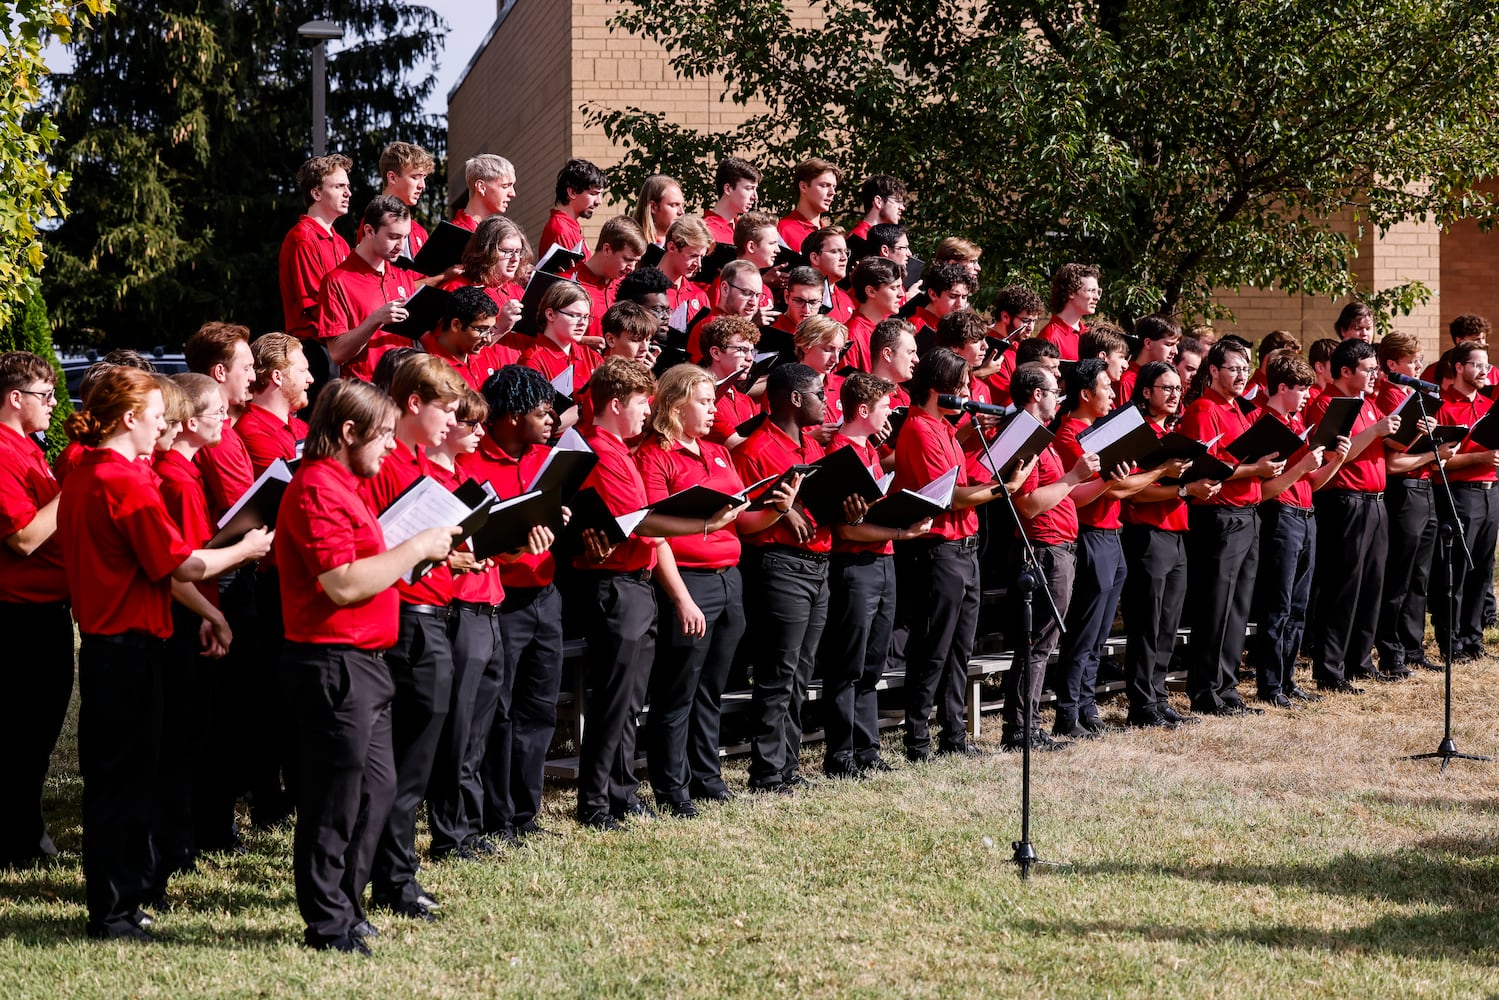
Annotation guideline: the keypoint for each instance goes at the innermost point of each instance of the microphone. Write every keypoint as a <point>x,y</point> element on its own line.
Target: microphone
<point>1414,383</point>
<point>970,406</point>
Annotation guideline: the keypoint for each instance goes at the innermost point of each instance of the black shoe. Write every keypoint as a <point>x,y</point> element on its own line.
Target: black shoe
<point>412,909</point>
<point>1239,708</point>
<point>600,820</point>
<point>1301,694</point>
<point>364,929</point>
<point>1475,651</point>
<point>1173,716</point>
<point>797,783</point>
<point>842,771</point>
<point>918,756</point>
<point>130,932</point>
<point>714,795</point>
<point>681,808</point>
<point>530,828</point>
<point>964,749</point>
<point>482,846</point>
<point>774,788</point>
<point>1095,725</point>
<point>349,944</point>
<point>636,810</point>
<point>1149,720</point>
<point>1040,742</point>
<point>1278,700</point>
<point>142,919</point>
<point>1420,661</point>
<point>1339,687</point>
<point>460,853</point>
<point>876,765</point>
<point>1074,730</point>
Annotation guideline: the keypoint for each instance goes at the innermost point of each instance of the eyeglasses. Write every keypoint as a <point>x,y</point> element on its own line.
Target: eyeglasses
<point>1238,369</point>
<point>1167,389</point>
<point>222,413</point>
<point>510,252</point>
<point>48,396</point>
<point>835,252</point>
<point>482,331</point>
<point>472,425</point>
<point>819,393</point>
<point>573,317</point>
<point>740,348</point>
<point>1478,366</point>
<point>1050,392</point>
<point>741,291</point>
<point>905,247</point>
<point>807,303</point>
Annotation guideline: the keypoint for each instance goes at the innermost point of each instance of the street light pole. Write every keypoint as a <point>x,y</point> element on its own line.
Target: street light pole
<point>321,32</point>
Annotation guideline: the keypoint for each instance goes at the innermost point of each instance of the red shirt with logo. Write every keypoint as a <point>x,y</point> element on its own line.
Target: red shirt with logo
<point>400,469</point>
<point>307,254</point>
<point>926,449</point>
<point>1364,473</point>
<point>1102,512</point>
<point>617,480</point>
<point>1059,524</point>
<point>349,294</point>
<point>770,451</point>
<point>1458,411</point>
<point>1209,416</point>
<point>672,469</point>
<point>26,486</point>
<point>509,476</point>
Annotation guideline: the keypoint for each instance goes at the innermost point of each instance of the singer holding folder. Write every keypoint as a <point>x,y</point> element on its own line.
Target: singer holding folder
<point>341,612</point>
<point>120,569</point>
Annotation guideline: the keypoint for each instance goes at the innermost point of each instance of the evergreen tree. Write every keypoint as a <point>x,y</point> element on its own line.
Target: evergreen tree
<point>28,330</point>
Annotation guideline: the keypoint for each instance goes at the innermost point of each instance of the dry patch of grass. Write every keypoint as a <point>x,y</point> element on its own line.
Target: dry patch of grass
<point>1294,852</point>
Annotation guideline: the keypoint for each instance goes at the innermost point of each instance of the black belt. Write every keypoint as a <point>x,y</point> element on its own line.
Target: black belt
<point>793,551</point>
<point>127,640</point>
<point>707,570</point>
<point>643,575</point>
<point>1486,485</point>
<point>333,647</point>
<point>1412,484</point>
<point>1302,512</point>
<point>1358,494</point>
<point>1101,531</point>
<point>474,607</point>
<point>430,610</point>
<point>1065,546</point>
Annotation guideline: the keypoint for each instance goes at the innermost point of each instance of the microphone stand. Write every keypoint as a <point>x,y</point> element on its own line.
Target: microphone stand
<point>1450,528</point>
<point>1028,581</point>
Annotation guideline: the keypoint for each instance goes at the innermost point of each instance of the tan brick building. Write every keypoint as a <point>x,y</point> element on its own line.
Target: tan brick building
<point>524,90</point>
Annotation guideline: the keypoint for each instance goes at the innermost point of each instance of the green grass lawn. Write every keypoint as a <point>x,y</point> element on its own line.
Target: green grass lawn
<point>1288,854</point>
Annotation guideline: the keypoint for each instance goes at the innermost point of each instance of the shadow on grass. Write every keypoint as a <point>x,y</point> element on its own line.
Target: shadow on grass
<point>1452,879</point>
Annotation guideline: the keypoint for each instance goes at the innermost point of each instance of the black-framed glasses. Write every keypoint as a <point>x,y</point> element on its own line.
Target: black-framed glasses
<point>48,395</point>
<point>741,291</point>
<point>472,425</point>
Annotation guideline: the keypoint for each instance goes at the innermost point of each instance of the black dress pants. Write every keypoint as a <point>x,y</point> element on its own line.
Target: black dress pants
<point>1157,561</point>
<point>341,697</point>
<point>861,614</point>
<point>621,645</point>
<point>939,588</point>
<point>454,802</point>
<point>1223,555</point>
<point>1478,514</point>
<point>1352,539</point>
<point>525,713</point>
<point>38,685</point>
<point>1401,633</point>
<point>787,596</point>
<point>421,667</point>
<point>1056,565</point>
<point>687,682</point>
<point>119,740</point>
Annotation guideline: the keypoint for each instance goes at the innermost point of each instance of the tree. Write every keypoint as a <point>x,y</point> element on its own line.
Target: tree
<point>1182,146</point>
<point>28,330</point>
<point>33,191</point>
<point>183,123</point>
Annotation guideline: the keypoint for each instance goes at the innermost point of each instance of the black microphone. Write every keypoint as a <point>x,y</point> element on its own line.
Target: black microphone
<point>960,403</point>
<point>1414,383</point>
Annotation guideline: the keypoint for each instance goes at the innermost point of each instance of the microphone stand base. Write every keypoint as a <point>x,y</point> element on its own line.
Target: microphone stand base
<point>1447,752</point>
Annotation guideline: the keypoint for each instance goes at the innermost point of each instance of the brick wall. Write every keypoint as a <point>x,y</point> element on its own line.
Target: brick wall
<point>1468,257</point>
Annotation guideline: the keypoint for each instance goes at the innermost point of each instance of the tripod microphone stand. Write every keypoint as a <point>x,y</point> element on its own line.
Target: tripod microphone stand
<point>1449,530</point>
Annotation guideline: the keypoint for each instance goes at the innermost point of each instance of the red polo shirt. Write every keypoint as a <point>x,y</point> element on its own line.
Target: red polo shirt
<point>1460,412</point>
<point>859,354</point>
<point>769,451</point>
<point>1126,387</point>
<point>617,480</point>
<point>832,384</point>
<point>563,230</point>
<point>501,294</point>
<point>350,293</point>
<point>484,587</point>
<point>400,469</point>
<point>326,522</point>
<point>120,546</point>
<point>794,229</point>
<point>601,292</point>
<point>227,471</point>
<point>1064,336</point>
<point>721,229</point>
<point>1059,524</point>
<point>26,486</point>
<point>67,460</point>
<point>870,456</point>
<point>474,369</point>
<point>416,238</point>
<point>672,469</point>
<point>307,254</point>
<point>1299,493</point>
<point>843,307</point>
<point>688,291</point>
<point>1387,399</point>
<point>1213,414</point>
<point>493,465</point>
<point>927,448</point>
<point>465,221</point>
<point>1103,512</point>
<point>731,409</point>
<point>266,438</point>
<point>182,492</point>
<point>549,359</point>
<point>1168,515</point>
<point>1366,473</point>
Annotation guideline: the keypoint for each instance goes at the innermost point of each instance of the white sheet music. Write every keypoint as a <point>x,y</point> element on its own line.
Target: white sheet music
<point>940,490</point>
<point>1010,440</point>
<point>276,470</point>
<point>628,522</point>
<point>571,440</point>
<point>563,383</point>
<point>1099,436</point>
<point>426,505</point>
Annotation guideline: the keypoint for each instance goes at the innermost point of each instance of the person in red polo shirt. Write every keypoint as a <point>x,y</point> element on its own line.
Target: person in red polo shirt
<point>817,182</point>
<point>312,248</point>
<point>269,425</point>
<point>1155,552</point>
<point>120,578</point>
<point>580,191</point>
<point>1352,528</point>
<point>617,252</point>
<point>1045,499</point>
<point>877,286</point>
<point>1158,336</point>
<point>523,696</point>
<point>820,341</point>
<point>367,291</point>
<point>861,598</point>
<point>404,168</point>
<point>827,253</point>
<point>729,343</point>
<point>491,186</point>
<point>938,571</point>
<point>426,392</point>
<point>1471,473</point>
<point>341,611</point>
<point>892,348</point>
<point>785,567</point>
<point>622,635</point>
<point>803,299</point>
<point>564,317</point>
<point>735,183</point>
<point>739,294</point>
<point>1465,329</point>
<point>1288,537</point>
<point>757,242</point>
<point>687,243</point>
<point>699,593</point>
<point>33,607</point>
<point>1074,297</point>
<point>1223,542</point>
<point>884,201</point>
<point>659,204</point>
<point>492,261</point>
<point>465,337</point>
<point>949,286</point>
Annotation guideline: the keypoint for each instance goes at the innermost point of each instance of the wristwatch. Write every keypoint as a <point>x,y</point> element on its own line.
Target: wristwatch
<point>1181,491</point>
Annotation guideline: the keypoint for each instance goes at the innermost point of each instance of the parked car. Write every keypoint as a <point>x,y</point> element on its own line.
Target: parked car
<point>74,365</point>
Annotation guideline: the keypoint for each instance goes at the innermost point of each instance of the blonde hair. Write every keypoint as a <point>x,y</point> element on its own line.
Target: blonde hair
<point>819,329</point>
<point>672,390</point>
<point>651,191</point>
<point>179,405</point>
